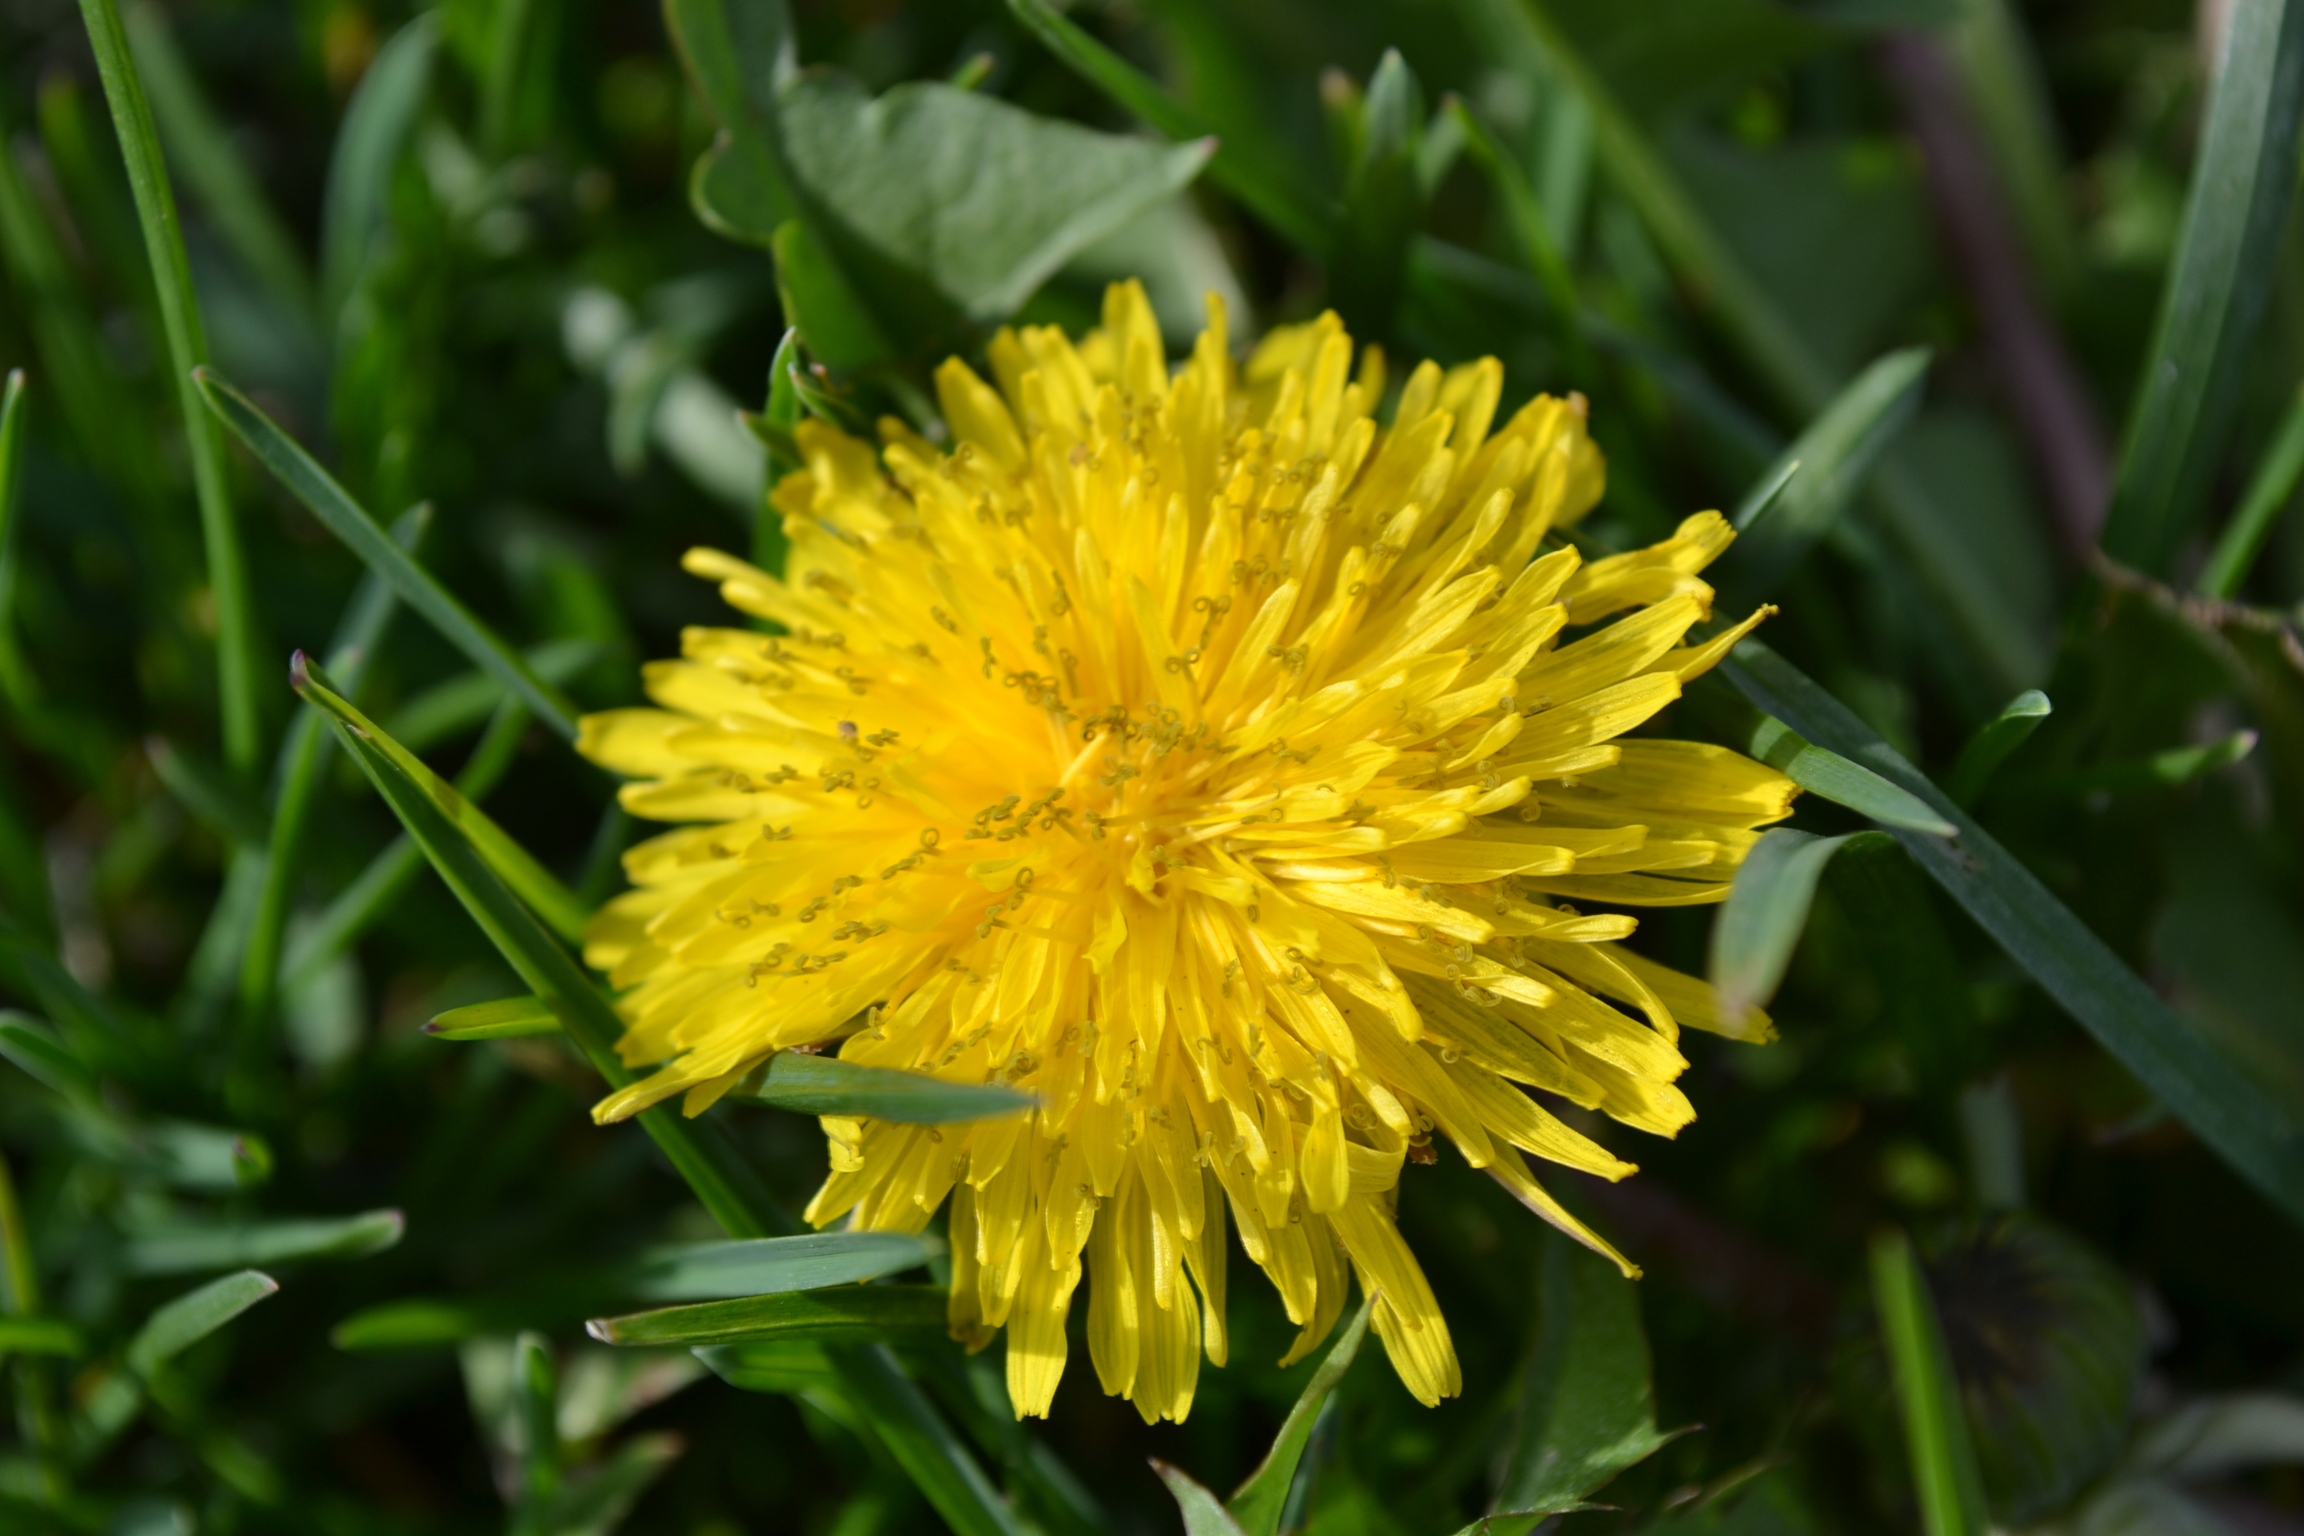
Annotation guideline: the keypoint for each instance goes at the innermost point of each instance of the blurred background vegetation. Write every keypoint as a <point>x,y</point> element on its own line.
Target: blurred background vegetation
<point>468,256</point>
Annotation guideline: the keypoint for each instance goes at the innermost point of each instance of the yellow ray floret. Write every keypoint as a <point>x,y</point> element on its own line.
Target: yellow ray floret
<point>1199,756</point>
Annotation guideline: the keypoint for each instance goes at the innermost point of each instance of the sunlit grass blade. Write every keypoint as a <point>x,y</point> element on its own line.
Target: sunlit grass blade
<point>846,1314</point>
<point>42,1336</point>
<point>768,1265</point>
<point>2222,1104</point>
<point>507,1019</point>
<point>2267,496</point>
<point>240,1244</point>
<point>1777,527</point>
<point>545,895</point>
<point>1991,744</point>
<point>350,522</point>
<point>2218,284</point>
<point>187,339</point>
<point>1936,1436</point>
<point>1757,930</point>
<point>375,129</point>
<point>202,150</point>
<point>1265,187</point>
<point>826,1085</point>
<point>1825,773</point>
<point>907,1423</point>
<point>1256,1504</point>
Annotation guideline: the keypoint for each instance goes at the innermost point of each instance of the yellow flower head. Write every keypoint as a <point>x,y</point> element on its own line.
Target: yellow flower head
<point>1202,758</point>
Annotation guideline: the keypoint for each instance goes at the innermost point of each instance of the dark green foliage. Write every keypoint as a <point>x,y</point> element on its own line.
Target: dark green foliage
<point>302,1219</point>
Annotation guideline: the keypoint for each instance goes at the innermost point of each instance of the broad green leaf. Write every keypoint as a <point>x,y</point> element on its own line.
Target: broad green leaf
<point>175,1250</point>
<point>1936,1437</point>
<point>1268,188</point>
<point>545,895</point>
<point>2226,258</point>
<point>1586,1410</point>
<point>1767,907</point>
<point>1203,1515</point>
<point>1787,516</point>
<point>184,1322</point>
<point>375,129</point>
<point>202,149</point>
<point>505,1018</point>
<point>2228,1111</point>
<point>826,1085</point>
<point>719,1176</point>
<point>351,523</point>
<point>842,1315</point>
<point>1990,746</point>
<point>41,1336</point>
<point>1257,1503</point>
<point>2267,496</point>
<point>1826,773</point>
<point>931,190</point>
<point>187,337</point>
<point>768,1265</point>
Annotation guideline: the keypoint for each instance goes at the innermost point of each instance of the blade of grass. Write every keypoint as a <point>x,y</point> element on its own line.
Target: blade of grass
<point>1256,1504</point>
<point>375,129</point>
<point>350,522</point>
<point>847,1314</point>
<point>1532,231</point>
<point>1767,907</point>
<point>203,151</point>
<point>1955,574</point>
<point>2267,496</point>
<point>826,1085</point>
<point>187,350</point>
<point>2218,284</point>
<point>1264,186</point>
<point>510,1018</point>
<point>240,1244</point>
<point>303,758</point>
<point>535,885</point>
<point>537,1385</point>
<point>900,1414</point>
<point>1203,1515</point>
<point>1935,1429</point>
<point>1991,744</point>
<point>1775,530</point>
<point>1835,778</point>
<point>767,1265</point>
<point>2225,1107</point>
<point>171,1329</point>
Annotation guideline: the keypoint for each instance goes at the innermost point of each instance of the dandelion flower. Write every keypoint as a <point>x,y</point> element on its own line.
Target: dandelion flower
<point>1208,761</point>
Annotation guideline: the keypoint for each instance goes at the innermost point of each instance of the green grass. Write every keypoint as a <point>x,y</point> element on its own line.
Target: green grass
<point>506,261</point>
